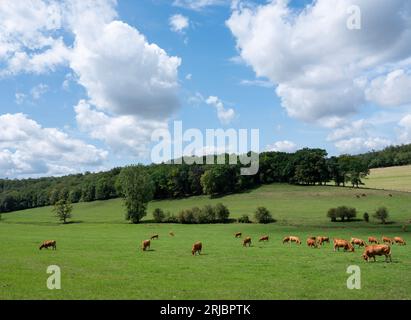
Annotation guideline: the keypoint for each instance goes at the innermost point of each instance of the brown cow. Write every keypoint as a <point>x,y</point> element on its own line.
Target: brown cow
<point>197,247</point>
<point>387,240</point>
<point>311,243</point>
<point>322,240</point>
<point>358,242</point>
<point>154,237</point>
<point>49,243</point>
<point>340,243</point>
<point>400,241</point>
<point>238,235</point>
<point>172,234</point>
<point>247,241</point>
<point>377,250</point>
<point>373,240</point>
<point>263,238</point>
<point>291,239</point>
<point>145,245</point>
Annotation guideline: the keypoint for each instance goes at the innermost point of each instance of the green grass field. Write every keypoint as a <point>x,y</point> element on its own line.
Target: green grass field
<point>100,256</point>
<point>394,178</point>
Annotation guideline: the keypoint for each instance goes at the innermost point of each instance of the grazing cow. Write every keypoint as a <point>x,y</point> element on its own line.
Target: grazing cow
<point>387,240</point>
<point>358,242</point>
<point>322,240</point>
<point>291,239</point>
<point>377,250</point>
<point>238,235</point>
<point>154,237</point>
<point>340,243</point>
<point>400,241</point>
<point>172,234</point>
<point>311,243</point>
<point>364,195</point>
<point>247,241</point>
<point>263,238</point>
<point>390,195</point>
<point>373,240</point>
<point>197,247</point>
<point>145,245</point>
<point>49,243</point>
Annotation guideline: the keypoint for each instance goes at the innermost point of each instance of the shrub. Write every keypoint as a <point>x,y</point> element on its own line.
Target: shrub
<point>244,219</point>
<point>199,216</point>
<point>170,218</point>
<point>209,214</point>
<point>262,215</point>
<point>342,213</point>
<point>158,215</point>
<point>381,214</point>
<point>366,217</point>
<point>221,212</point>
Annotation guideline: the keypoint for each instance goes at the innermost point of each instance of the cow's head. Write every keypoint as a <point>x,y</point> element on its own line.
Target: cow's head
<point>365,257</point>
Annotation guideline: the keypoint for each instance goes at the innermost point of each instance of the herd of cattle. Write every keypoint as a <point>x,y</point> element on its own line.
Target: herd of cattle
<point>374,248</point>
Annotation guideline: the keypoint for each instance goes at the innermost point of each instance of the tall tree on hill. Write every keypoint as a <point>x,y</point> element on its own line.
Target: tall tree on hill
<point>137,190</point>
<point>62,209</point>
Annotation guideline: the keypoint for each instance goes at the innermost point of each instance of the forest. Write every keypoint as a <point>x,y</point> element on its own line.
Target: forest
<point>303,167</point>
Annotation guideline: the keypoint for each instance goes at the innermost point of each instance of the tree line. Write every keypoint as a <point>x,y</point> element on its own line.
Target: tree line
<point>170,181</point>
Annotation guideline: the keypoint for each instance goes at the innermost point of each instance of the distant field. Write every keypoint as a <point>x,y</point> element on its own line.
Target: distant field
<point>100,254</point>
<point>393,178</point>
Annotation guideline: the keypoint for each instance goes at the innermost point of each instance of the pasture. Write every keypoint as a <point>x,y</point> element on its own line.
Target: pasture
<point>393,178</point>
<point>101,258</point>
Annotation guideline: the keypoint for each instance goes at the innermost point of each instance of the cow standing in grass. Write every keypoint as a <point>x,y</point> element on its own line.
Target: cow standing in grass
<point>311,243</point>
<point>322,240</point>
<point>247,241</point>
<point>400,241</point>
<point>154,237</point>
<point>197,247</point>
<point>373,240</point>
<point>238,235</point>
<point>387,240</point>
<point>358,242</point>
<point>263,238</point>
<point>291,239</point>
<point>341,243</point>
<point>49,243</point>
<point>377,250</point>
<point>145,245</point>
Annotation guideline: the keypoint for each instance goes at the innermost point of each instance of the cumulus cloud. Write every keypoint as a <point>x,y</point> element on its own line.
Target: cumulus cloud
<point>39,90</point>
<point>224,115</point>
<point>27,149</point>
<point>405,129</point>
<point>283,146</point>
<point>391,90</point>
<point>359,145</point>
<point>322,69</point>
<point>178,23</point>
<point>123,134</point>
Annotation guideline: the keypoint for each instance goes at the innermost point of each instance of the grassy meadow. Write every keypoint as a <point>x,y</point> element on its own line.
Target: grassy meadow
<point>100,256</point>
<point>394,178</point>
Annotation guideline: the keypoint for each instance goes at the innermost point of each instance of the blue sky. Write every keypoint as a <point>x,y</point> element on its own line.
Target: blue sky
<point>296,73</point>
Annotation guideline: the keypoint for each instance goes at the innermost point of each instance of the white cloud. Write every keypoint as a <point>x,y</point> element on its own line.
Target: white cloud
<point>189,76</point>
<point>320,67</point>
<point>282,146</point>
<point>27,149</point>
<point>178,23</point>
<point>405,129</point>
<point>123,134</point>
<point>224,115</point>
<point>198,4</point>
<point>391,90</point>
<point>359,145</point>
<point>39,90</point>
<point>20,97</point>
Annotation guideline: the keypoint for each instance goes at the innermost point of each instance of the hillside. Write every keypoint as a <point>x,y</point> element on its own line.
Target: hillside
<point>289,204</point>
<point>392,178</point>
